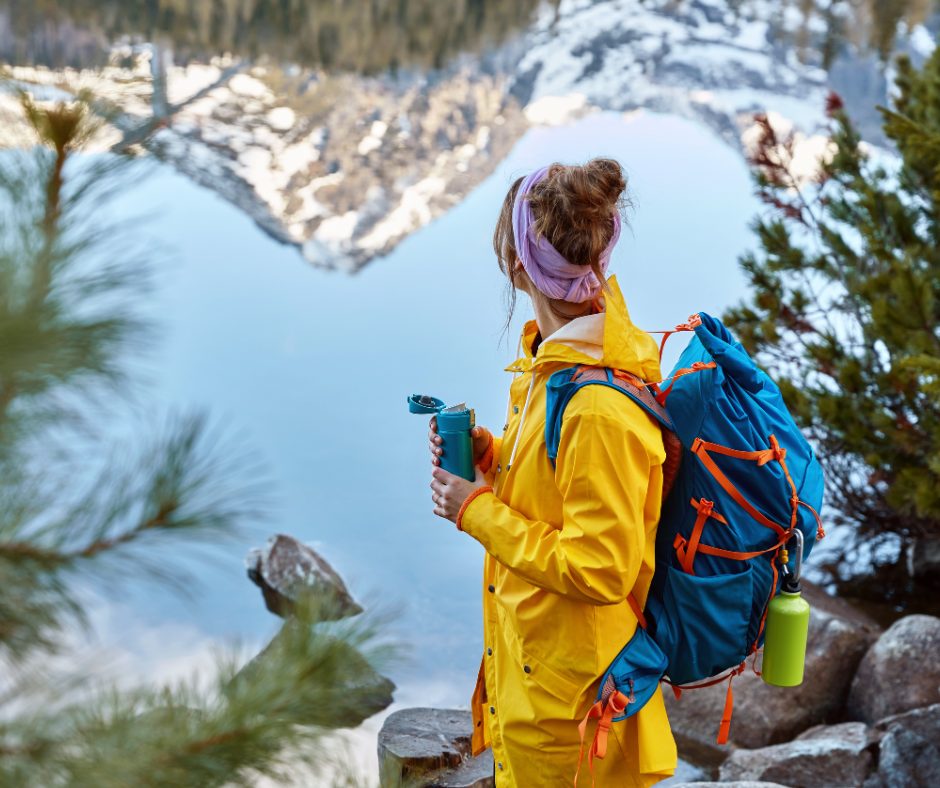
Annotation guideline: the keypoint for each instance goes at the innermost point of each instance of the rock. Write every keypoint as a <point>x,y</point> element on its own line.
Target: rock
<point>423,745</point>
<point>910,750</point>
<point>473,773</point>
<point>286,570</point>
<point>355,690</point>
<point>685,773</point>
<point>829,756</point>
<point>839,636</point>
<point>900,673</point>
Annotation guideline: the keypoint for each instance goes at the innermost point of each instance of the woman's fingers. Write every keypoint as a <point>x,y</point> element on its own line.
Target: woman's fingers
<point>443,476</point>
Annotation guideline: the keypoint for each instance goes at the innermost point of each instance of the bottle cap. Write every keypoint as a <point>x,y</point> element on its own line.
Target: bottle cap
<point>422,403</point>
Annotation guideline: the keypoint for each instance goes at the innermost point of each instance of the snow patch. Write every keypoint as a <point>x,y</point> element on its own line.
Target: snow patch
<point>556,110</point>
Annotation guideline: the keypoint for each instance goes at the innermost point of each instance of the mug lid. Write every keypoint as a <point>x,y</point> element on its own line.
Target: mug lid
<point>422,403</point>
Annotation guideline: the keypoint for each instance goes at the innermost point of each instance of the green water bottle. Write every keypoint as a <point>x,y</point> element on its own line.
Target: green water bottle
<point>787,627</point>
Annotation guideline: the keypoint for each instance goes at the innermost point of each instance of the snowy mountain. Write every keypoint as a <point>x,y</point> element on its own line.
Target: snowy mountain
<point>344,167</point>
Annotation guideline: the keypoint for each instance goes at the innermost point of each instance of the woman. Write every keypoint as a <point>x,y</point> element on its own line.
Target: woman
<point>565,545</point>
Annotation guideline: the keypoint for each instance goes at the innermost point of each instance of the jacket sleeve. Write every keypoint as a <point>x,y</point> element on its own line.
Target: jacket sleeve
<point>603,474</point>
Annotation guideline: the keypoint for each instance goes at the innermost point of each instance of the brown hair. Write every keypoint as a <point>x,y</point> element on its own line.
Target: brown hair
<point>573,207</point>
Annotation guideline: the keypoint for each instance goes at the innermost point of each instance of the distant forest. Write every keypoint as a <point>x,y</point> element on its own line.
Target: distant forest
<point>363,36</point>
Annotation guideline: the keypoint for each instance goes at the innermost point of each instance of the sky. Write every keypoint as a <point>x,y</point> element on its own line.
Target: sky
<point>311,369</point>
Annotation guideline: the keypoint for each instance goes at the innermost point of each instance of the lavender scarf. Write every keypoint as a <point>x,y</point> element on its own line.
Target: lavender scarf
<point>549,271</point>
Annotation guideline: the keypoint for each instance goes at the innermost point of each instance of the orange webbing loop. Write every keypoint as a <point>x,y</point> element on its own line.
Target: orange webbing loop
<point>698,366</point>
<point>729,707</point>
<point>629,377</point>
<point>578,370</point>
<point>705,510</point>
<point>780,456</point>
<point>635,607</point>
<point>694,322</point>
<point>616,703</point>
<point>729,699</point>
<point>680,544</point>
<point>820,531</point>
<point>701,448</point>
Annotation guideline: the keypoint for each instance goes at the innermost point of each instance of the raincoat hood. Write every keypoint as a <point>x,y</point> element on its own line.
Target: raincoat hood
<point>608,339</point>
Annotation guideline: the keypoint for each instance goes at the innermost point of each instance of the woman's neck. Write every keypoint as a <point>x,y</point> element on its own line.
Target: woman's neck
<point>547,318</point>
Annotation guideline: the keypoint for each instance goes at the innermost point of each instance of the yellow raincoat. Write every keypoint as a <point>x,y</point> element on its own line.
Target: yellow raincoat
<point>564,548</point>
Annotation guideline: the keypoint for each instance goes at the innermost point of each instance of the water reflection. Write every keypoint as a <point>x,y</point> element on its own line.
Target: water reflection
<point>351,35</point>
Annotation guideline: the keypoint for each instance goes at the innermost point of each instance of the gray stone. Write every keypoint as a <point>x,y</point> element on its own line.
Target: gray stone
<point>296,580</point>
<point>839,636</point>
<point>836,756</point>
<point>422,745</point>
<point>473,773</point>
<point>910,750</point>
<point>357,690</point>
<point>901,672</point>
<point>685,773</point>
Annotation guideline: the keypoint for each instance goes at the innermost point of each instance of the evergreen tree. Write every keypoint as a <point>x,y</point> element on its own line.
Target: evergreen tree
<point>846,307</point>
<point>77,509</point>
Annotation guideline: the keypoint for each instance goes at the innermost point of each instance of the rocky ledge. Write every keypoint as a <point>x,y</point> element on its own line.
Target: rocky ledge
<point>866,716</point>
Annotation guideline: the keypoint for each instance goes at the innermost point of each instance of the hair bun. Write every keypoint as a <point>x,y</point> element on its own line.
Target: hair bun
<point>574,207</point>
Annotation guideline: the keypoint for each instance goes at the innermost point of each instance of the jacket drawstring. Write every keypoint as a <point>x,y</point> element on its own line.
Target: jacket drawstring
<point>525,407</point>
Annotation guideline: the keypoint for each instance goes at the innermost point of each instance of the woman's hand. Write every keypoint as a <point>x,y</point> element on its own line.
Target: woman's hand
<point>449,491</point>
<point>481,442</point>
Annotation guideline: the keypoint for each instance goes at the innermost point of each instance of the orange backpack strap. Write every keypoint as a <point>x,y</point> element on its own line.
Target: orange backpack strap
<point>729,698</point>
<point>635,607</point>
<point>702,449</point>
<point>616,703</point>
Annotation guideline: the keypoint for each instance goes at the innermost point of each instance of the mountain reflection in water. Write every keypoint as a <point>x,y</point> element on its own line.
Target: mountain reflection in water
<point>350,35</point>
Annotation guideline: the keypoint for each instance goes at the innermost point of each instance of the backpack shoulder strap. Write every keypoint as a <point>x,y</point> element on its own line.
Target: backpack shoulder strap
<point>565,383</point>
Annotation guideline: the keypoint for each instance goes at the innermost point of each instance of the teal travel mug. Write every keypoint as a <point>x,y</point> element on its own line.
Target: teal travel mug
<point>453,425</point>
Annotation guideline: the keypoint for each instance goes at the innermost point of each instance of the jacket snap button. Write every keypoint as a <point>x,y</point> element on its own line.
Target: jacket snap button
<point>492,710</point>
<point>489,652</point>
<point>492,589</point>
<point>527,669</point>
<point>515,408</point>
<point>499,468</point>
<point>500,765</point>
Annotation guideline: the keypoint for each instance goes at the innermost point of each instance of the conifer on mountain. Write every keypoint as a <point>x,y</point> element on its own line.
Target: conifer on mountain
<point>81,512</point>
<point>845,308</point>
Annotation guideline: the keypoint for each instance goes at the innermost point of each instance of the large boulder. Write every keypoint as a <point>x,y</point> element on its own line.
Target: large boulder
<point>295,580</point>
<point>900,673</point>
<point>350,689</point>
<point>430,748</point>
<point>839,636</point>
<point>910,750</point>
<point>828,756</point>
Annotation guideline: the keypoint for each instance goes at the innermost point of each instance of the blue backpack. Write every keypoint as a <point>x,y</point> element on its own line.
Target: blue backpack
<point>739,478</point>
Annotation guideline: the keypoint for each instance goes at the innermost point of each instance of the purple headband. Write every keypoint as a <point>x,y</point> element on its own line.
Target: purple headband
<point>549,271</point>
